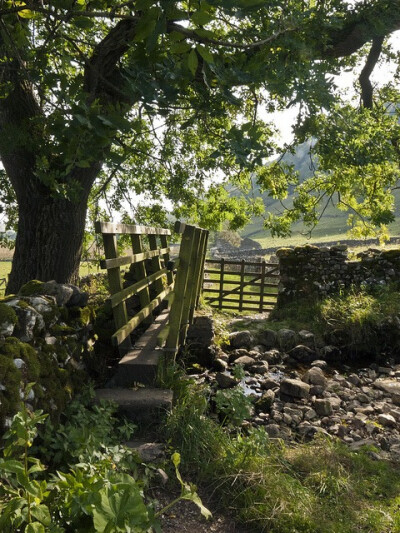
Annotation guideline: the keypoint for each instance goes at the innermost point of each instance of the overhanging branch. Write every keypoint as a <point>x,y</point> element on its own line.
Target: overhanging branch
<point>365,82</point>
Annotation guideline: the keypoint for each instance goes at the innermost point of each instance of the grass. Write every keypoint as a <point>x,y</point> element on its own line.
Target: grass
<point>319,487</point>
<point>87,267</point>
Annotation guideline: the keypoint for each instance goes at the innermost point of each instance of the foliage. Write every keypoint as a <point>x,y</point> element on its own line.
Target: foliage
<point>233,404</point>
<point>174,91</point>
<point>90,483</point>
<point>318,487</point>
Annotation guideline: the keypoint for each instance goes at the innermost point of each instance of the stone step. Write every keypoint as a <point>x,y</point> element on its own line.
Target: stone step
<point>142,404</point>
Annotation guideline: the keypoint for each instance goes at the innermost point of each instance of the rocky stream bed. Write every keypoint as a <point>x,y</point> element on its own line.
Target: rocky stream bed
<point>299,390</point>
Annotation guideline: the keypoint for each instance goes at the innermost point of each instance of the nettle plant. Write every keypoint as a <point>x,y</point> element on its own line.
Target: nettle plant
<point>98,487</point>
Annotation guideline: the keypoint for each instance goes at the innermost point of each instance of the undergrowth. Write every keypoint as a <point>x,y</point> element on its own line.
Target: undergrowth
<point>315,487</point>
<point>76,476</point>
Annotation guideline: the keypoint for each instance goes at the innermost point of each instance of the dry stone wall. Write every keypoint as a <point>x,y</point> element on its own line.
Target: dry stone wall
<point>312,272</point>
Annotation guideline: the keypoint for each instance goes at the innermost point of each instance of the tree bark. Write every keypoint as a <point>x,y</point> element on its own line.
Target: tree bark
<point>49,241</point>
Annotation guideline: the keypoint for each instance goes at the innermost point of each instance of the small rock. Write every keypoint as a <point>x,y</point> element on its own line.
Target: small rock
<point>266,401</point>
<point>323,407</point>
<point>272,430</point>
<point>225,381</point>
<point>387,420</point>
<point>259,367</point>
<point>273,357</point>
<point>220,365</point>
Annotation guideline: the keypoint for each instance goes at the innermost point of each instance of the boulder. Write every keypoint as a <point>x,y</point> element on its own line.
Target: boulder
<point>241,339</point>
<point>245,361</point>
<point>269,338</point>
<point>315,376</point>
<point>302,354</point>
<point>287,339</point>
<point>294,388</point>
<point>307,338</point>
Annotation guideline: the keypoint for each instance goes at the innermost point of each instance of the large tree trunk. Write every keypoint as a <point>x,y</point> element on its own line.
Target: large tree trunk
<point>49,241</point>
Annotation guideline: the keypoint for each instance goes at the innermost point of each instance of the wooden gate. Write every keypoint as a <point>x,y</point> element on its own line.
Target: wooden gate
<point>240,285</point>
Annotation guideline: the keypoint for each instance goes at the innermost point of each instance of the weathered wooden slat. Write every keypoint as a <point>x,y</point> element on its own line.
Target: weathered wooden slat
<point>245,293</point>
<point>166,256</point>
<point>162,336</point>
<point>115,283</point>
<point>251,263</point>
<point>136,288</point>
<point>205,235</point>
<point>134,258</point>
<point>255,309</point>
<point>232,273</point>
<point>141,273</point>
<point>130,229</point>
<point>179,227</point>
<point>242,284</point>
<point>156,263</point>
<point>123,332</point>
<point>262,286</point>
<point>194,282</point>
<point>250,284</point>
<point>181,282</point>
<point>221,283</point>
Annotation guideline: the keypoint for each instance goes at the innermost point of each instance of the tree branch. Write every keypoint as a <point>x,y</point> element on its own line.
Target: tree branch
<point>365,82</point>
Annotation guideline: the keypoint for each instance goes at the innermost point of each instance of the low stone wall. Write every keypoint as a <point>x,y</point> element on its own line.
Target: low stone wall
<point>45,336</point>
<point>310,272</point>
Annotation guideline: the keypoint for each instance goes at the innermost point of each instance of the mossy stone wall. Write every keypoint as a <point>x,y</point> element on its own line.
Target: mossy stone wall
<point>314,272</point>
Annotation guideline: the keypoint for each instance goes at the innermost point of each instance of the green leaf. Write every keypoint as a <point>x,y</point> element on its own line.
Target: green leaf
<point>83,22</point>
<point>195,498</point>
<point>35,527</point>
<point>181,47</point>
<point>205,53</point>
<point>24,13</point>
<point>41,513</point>
<point>193,62</point>
<point>12,466</point>
<point>200,18</point>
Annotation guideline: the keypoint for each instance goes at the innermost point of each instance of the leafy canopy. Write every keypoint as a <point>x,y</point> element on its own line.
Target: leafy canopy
<point>171,97</point>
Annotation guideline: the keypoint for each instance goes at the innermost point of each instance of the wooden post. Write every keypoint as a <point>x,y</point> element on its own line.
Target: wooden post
<point>262,282</point>
<point>241,295</point>
<point>115,282</point>
<point>156,264</point>
<point>140,273</point>
<point>204,241</point>
<point>221,283</point>
<point>164,244</point>
<point>180,290</point>
<point>193,282</point>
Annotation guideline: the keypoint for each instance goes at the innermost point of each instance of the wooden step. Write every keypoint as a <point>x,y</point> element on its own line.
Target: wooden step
<point>140,364</point>
<point>142,404</point>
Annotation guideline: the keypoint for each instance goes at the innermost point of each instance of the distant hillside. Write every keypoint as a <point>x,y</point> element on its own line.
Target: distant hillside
<point>332,225</point>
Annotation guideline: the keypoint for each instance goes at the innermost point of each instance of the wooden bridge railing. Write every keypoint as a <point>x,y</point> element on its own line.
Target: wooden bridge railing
<point>181,291</point>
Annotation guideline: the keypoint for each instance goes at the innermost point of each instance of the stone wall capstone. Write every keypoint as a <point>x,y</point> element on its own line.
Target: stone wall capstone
<point>314,272</point>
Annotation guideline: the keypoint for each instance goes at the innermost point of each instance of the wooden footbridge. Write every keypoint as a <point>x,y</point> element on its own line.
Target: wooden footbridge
<point>169,288</point>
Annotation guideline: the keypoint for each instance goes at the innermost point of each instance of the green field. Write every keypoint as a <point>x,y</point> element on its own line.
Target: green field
<point>85,269</point>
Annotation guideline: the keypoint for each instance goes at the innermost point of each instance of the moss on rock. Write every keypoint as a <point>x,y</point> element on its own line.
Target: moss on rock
<point>32,287</point>
<point>7,314</point>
